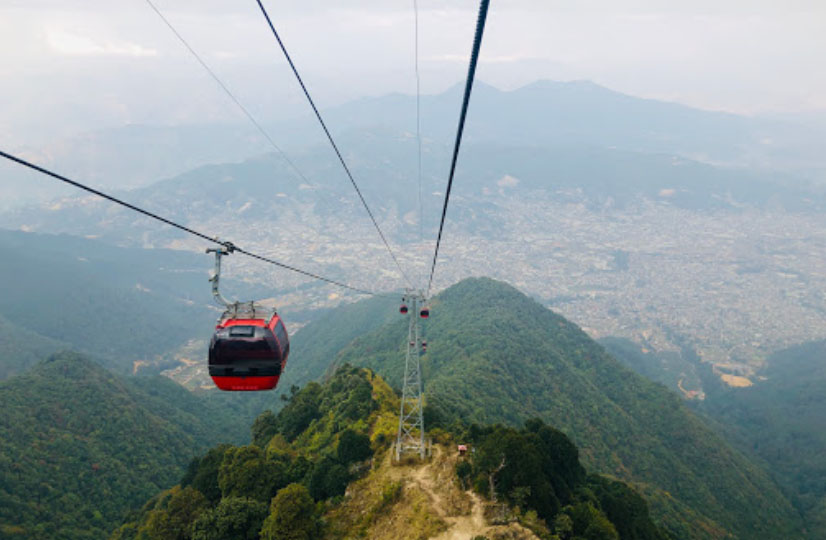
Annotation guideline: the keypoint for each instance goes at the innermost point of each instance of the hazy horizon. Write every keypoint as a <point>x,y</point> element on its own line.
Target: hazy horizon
<point>71,68</point>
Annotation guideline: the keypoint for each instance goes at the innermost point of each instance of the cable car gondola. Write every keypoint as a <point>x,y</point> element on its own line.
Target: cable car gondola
<point>250,346</point>
<point>249,349</point>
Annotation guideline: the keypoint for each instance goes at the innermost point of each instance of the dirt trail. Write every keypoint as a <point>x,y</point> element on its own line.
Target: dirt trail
<point>464,512</point>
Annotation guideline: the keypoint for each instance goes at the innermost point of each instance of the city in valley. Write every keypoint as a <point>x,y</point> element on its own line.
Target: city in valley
<point>733,286</point>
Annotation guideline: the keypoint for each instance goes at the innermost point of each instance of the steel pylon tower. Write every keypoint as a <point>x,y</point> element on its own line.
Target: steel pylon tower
<point>410,438</point>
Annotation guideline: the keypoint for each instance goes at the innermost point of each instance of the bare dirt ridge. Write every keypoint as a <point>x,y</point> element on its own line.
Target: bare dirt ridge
<point>462,511</point>
<point>416,501</point>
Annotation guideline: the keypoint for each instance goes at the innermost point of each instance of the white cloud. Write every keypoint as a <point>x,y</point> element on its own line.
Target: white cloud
<point>69,44</point>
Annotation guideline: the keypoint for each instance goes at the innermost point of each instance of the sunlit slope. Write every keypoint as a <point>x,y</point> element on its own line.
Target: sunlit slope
<point>80,446</point>
<point>495,355</point>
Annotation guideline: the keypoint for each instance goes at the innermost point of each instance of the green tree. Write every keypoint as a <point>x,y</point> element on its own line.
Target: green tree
<point>292,516</point>
<point>129,531</point>
<point>463,472</point>
<point>564,526</point>
<point>515,462</point>
<point>175,521</point>
<point>359,402</point>
<point>590,523</point>
<point>328,479</point>
<point>626,509</point>
<point>298,469</point>
<point>601,529</point>
<point>353,447</point>
<point>264,428</point>
<point>245,472</point>
<point>302,409</point>
<point>235,518</point>
<point>203,473</point>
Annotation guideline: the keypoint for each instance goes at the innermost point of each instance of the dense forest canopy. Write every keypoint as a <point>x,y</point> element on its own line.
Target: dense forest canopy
<point>80,446</point>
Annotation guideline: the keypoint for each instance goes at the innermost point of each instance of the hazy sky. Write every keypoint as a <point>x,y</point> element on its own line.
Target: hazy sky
<point>67,65</point>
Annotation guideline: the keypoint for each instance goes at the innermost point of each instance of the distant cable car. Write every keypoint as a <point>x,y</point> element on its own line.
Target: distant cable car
<point>250,346</point>
<point>403,309</point>
<point>249,350</point>
<point>424,346</point>
<point>425,312</point>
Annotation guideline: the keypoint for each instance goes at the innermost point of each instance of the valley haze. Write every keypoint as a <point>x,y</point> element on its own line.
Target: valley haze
<point>683,230</point>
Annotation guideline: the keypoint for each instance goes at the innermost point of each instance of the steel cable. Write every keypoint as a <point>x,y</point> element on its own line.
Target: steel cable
<point>474,58</point>
<point>184,228</point>
<point>332,142</point>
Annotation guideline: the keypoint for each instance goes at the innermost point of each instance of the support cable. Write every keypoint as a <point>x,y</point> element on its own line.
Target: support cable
<point>474,57</point>
<point>229,93</point>
<point>332,142</point>
<point>229,245</point>
<point>418,116</point>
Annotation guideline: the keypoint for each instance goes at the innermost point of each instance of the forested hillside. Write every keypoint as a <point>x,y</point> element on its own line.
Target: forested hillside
<point>682,371</point>
<point>80,446</point>
<point>119,304</point>
<point>22,348</point>
<point>291,481</point>
<point>315,346</point>
<point>497,356</point>
<point>782,420</point>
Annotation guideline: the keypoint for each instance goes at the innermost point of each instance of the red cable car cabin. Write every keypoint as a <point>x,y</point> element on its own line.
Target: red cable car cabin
<point>248,353</point>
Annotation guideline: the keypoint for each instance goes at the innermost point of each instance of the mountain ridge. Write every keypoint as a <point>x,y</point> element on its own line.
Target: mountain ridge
<point>624,425</point>
<point>331,448</point>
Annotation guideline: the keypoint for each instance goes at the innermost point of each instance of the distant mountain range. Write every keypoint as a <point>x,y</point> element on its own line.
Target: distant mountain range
<point>547,113</point>
<point>265,190</point>
<point>541,114</point>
